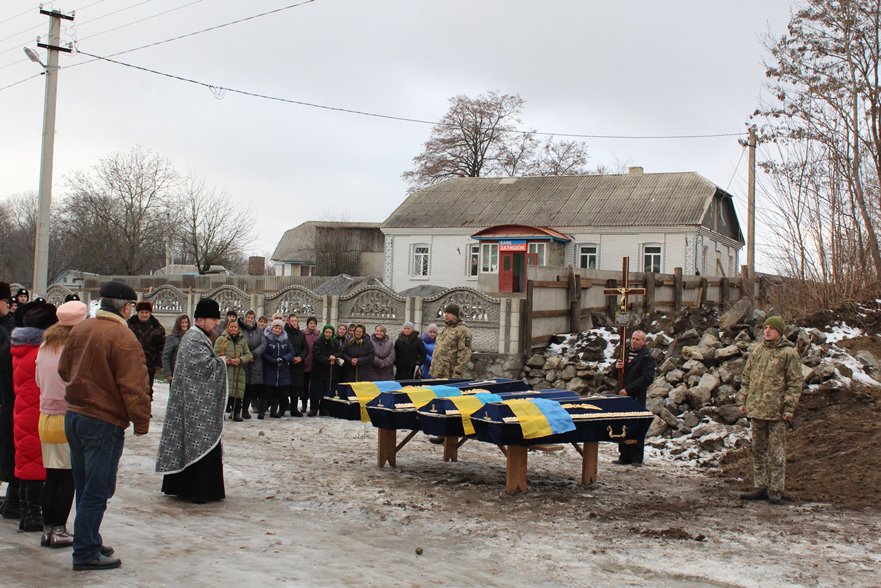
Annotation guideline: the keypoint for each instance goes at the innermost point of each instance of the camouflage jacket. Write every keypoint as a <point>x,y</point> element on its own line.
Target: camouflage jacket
<point>452,351</point>
<point>772,381</point>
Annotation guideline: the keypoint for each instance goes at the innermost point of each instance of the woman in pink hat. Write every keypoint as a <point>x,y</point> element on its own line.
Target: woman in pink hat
<point>58,489</point>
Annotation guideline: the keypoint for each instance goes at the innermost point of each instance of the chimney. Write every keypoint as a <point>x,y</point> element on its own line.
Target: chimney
<point>635,170</point>
<point>256,266</point>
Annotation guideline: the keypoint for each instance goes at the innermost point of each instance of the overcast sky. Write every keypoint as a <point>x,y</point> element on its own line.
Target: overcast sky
<point>631,68</point>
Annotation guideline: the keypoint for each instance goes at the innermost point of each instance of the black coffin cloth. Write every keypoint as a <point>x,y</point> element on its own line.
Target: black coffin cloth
<point>396,410</point>
<point>596,418</point>
<point>442,418</point>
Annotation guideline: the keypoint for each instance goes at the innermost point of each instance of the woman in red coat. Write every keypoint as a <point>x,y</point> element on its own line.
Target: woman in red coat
<point>26,340</point>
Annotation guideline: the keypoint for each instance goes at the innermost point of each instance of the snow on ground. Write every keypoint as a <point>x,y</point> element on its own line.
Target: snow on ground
<point>307,506</point>
<point>839,332</point>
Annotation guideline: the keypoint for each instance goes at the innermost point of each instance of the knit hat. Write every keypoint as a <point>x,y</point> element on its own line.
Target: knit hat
<point>71,313</point>
<point>5,290</point>
<point>117,290</point>
<point>776,323</point>
<point>207,308</point>
<point>277,323</point>
<point>144,305</point>
<point>70,297</point>
<point>452,309</point>
<point>409,324</point>
<point>40,315</point>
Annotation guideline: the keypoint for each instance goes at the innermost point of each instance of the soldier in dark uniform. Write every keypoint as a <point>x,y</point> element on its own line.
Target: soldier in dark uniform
<point>639,372</point>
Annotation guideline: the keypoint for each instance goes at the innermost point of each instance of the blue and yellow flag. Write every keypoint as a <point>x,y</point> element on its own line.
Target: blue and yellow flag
<point>540,417</point>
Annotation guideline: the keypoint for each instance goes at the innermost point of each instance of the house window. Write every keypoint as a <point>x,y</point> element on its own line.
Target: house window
<point>307,270</point>
<point>420,260</point>
<point>489,258</point>
<point>539,250</point>
<point>473,260</point>
<point>588,257</point>
<point>651,258</point>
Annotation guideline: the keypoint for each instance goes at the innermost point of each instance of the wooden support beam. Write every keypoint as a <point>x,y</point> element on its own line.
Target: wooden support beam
<point>549,313</point>
<point>386,448</point>
<point>451,449</point>
<point>677,288</point>
<point>406,440</point>
<point>516,470</point>
<point>589,464</point>
<point>550,284</point>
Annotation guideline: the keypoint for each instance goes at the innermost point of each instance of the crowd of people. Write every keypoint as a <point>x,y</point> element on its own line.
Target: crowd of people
<point>70,386</point>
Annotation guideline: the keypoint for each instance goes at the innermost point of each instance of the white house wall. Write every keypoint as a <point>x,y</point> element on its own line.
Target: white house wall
<point>448,258</point>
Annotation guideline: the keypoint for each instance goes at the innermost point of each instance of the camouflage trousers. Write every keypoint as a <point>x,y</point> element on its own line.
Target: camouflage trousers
<point>769,454</point>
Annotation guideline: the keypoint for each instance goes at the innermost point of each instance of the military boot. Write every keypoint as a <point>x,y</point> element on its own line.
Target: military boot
<point>775,497</point>
<point>756,494</point>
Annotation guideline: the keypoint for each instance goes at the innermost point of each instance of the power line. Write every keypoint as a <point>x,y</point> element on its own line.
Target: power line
<point>13,17</point>
<point>23,81</point>
<point>736,167</point>
<point>194,33</point>
<point>140,20</point>
<point>219,90</point>
<point>16,46</point>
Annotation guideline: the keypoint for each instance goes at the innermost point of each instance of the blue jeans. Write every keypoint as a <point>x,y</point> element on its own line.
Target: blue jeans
<point>95,449</point>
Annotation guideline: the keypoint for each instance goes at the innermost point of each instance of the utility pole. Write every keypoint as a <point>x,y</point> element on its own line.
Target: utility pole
<point>41,245</point>
<point>751,209</point>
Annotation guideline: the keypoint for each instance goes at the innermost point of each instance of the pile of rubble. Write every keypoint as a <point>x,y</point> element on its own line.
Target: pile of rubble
<point>700,357</point>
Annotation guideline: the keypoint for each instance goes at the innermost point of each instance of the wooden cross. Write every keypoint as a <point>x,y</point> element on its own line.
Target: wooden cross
<point>624,291</point>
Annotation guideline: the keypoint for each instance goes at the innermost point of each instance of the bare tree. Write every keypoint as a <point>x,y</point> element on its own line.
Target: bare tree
<point>560,158</point>
<point>18,228</point>
<point>211,229</point>
<point>118,214</point>
<point>825,119</point>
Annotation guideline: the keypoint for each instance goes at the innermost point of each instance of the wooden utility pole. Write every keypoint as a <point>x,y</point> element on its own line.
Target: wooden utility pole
<point>751,210</point>
<point>623,317</point>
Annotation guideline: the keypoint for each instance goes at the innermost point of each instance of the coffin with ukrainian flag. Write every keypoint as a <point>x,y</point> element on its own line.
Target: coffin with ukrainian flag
<point>397,409</point>
<point>451,416</point>
<point>540,420</point>
<point>349,399</point>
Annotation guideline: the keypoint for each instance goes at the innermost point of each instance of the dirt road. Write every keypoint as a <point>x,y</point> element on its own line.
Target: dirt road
<point>306,506</point>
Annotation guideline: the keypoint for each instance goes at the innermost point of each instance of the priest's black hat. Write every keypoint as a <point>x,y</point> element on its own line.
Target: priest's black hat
<point>207,308</point>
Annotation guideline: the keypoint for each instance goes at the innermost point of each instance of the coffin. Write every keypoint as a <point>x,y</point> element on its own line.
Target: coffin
<point>397,409</point>
<point>593,419</point>
<point>349,399</point>
<point>451,417</point>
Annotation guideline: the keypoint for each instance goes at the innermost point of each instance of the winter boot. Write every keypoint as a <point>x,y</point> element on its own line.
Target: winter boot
<point>273,409</point>
<point>229,402</point>
<point>31,513</point>
<point>11,506</point>
<point>237,410</point>
<point>59,537</point>
<point>775,497</point>
<point>246,404</point>
<point>46,537</point>
<point>756,494</point>
<point>261,408</point>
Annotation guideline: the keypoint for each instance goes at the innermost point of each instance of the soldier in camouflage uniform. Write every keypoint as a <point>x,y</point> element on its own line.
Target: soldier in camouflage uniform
<point>452,351</point>
<point>772,384</point>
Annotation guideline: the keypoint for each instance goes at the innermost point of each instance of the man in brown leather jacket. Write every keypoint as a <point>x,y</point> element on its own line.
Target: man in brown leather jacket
<point>107,388</point>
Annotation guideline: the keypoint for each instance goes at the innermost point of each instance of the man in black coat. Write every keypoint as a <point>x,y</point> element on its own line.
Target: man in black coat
<point>298,365</point>
<point>639,372</point>
<point>151,335</point>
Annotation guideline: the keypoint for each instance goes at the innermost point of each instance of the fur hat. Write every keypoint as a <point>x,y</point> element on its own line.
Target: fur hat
<point>452,309</point>
<point>71,313</point>
<point>117,290</point>
<point>5,290</point>
<point>207,308</point>
<point>144,305</point>
<point>776,323</point>
<point>70,297</point>
<point>40,315</point>
<point>22,291</point>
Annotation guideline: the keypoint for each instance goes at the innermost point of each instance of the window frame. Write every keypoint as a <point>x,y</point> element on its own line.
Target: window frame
<point>473,255</point>
<point>541,249</point>
<point>595,254</point>
<point>415,254</point>
<point>659,254</point>
<point>486,267</point>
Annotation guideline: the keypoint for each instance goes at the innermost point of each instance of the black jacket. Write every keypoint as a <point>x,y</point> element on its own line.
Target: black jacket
<point>409,352</point>
<point>322,370</point>
<point>298,341</point>
<point>638,374</point>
